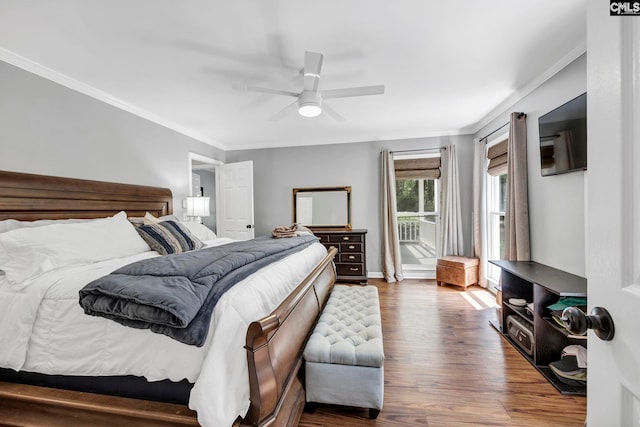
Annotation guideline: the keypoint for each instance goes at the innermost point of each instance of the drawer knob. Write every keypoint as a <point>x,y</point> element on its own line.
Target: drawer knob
<point>353,269</point>
<point>351,247</point>
<point>345,238</point>
<point>352,257</point>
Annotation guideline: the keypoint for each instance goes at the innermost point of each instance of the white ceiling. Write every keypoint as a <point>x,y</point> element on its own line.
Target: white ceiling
<point>448,66</point>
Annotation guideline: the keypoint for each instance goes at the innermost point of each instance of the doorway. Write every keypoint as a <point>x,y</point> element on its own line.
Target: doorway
<point>203,178</point>
<point>417,210</point>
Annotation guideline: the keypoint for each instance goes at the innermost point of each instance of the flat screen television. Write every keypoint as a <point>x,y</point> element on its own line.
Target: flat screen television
<point>563,138</point>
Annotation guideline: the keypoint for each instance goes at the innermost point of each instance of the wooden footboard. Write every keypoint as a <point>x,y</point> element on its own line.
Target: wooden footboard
<point>274,350</point>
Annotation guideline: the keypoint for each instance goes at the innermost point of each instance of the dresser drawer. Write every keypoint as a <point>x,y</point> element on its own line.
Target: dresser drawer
<point>324,238</point>
<point>341,238</point>
<point>350,257</point>
<point>350,269</point>
<point>351,247</point>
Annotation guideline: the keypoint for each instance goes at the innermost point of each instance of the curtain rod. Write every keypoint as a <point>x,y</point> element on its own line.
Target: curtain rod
<point>419,149</point>
<point>489,134</point>
<point>497,130</point>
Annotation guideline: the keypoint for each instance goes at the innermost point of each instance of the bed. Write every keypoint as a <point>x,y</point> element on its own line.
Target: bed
<point>51,343</point>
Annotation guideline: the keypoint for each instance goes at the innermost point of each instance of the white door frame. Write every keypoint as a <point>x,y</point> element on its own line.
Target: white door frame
<point>216,164</point>
<point>613,213</point>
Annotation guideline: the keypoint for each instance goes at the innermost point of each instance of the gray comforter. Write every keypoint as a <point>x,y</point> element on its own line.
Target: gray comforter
<point>175,294</point>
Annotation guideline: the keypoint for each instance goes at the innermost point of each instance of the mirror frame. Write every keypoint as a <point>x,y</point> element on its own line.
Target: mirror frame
<point>346,189</point>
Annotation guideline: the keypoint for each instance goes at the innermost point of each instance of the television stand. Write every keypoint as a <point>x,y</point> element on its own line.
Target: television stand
<point>542,285</point>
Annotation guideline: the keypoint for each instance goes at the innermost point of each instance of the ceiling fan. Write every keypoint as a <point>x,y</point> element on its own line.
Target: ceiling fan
<point>310,101</point>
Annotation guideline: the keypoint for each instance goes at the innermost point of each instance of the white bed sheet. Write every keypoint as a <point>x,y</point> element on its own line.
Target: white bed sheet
<point>43,329</point>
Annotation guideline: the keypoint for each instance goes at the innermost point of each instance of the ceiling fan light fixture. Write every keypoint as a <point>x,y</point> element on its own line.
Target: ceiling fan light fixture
<point>309,110</point>
<point>310,101</point>
<point>309,104</point>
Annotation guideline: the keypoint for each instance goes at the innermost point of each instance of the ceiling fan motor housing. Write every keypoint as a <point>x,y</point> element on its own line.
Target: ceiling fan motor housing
<point>310,103</point>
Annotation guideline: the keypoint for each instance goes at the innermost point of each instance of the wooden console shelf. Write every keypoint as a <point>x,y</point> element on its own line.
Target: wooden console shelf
<point>542,285</point>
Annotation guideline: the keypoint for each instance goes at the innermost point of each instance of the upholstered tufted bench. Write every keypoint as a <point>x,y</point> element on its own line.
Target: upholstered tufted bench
<point>344,356</point>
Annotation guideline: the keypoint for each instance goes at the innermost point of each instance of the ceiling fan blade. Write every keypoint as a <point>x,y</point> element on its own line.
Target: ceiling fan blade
<point>353,91</point>
<point>332,113</point>
<point>312,68</point>
<point>246,88</point>
<point>286,110</point>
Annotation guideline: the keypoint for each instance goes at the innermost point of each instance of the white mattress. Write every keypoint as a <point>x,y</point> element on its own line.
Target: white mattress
<point>43,329</point>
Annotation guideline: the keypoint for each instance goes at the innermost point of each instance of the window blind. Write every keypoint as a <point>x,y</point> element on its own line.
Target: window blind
<point>497,155</point>
<point>424,168</point>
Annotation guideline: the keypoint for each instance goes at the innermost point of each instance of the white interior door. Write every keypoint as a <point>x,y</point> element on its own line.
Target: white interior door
<point>236,189</point>
<point>613,214</point>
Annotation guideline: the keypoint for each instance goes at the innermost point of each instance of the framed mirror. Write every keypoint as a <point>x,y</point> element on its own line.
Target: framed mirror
<point>327,208</point>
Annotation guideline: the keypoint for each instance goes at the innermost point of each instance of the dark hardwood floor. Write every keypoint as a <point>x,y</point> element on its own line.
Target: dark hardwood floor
<point>445,366</point>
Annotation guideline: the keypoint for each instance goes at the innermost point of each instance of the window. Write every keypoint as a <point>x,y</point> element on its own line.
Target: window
<point>496,205</point>
<point>416,195</point>
<point>418,219</point>
<point>497,189</point>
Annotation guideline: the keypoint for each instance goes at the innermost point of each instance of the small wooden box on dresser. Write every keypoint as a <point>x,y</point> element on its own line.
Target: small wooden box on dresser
<point>351,259</point>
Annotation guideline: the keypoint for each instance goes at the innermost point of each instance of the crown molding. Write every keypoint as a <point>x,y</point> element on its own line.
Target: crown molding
<point>88,90</point>
<point>525,90</point>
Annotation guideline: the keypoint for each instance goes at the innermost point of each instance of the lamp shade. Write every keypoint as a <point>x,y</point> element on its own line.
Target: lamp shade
<point>198,206</point>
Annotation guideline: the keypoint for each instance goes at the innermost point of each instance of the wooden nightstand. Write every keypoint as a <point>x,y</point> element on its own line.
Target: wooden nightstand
<point>351,259</point>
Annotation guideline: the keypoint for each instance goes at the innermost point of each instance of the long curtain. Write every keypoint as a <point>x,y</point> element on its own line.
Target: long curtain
<point>516,221</point>
<point>391,261</point>
<point>479,209</point>
<point>451,240</point>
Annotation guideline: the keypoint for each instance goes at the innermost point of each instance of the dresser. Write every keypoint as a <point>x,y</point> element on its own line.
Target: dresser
<point>351,259</point>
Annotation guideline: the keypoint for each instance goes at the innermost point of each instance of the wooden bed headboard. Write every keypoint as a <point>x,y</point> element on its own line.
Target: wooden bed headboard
<point>31,197</point>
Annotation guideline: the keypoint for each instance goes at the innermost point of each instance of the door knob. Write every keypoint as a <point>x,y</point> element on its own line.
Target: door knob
<point>577,322</point>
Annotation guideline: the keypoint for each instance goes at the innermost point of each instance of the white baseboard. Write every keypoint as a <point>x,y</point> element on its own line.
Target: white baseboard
<point>408,274</point>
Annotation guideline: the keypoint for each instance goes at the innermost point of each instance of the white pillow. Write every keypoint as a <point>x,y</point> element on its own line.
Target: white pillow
<point>201,231</point>
<point>14,224</point>
<point>28,252</point>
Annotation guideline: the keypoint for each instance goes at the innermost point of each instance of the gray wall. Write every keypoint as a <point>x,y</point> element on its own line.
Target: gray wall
<point>48,129</point>
<point>556,203</point>
<point>278,171</point>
